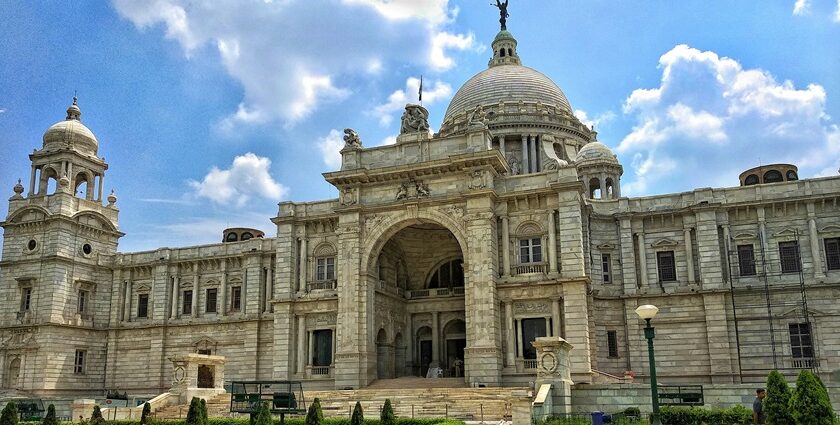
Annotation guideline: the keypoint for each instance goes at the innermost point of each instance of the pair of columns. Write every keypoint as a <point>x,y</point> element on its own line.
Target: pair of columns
<point>514,327</point>
<point>67,167</point>
<point>530,153</point>
<point>549,251</point>
<point>306,344</point>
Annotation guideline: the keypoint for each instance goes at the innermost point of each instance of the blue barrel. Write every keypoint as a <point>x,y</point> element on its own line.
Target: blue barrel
<point>597,418</point>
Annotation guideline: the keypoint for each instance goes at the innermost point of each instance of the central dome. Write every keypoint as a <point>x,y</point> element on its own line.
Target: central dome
<point>510,84</point>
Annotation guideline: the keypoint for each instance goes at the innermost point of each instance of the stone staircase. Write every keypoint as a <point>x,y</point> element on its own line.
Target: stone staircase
<point>410,397</point>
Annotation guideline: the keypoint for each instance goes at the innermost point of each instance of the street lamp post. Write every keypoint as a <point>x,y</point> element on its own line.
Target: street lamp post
<point>647,312</point>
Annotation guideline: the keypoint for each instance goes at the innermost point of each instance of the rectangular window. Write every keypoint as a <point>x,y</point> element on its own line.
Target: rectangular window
<point>612,344</point>
<point>186,303</point>
<point>79,362</point>
<point>26,299</point>
<point>605,268</point>
<point>666,266</point>
<point>235,298</point>
<point>531,330</point>
<point>832,253</point>
<point>325,268</point>
<point>746,260</point>
<point>83,300</point>
<point>789,257</point>
<point>210,301</point>
<point>143,305</point>
<point>801,345</point>
<point>530,251</point>
<point>322,345</point>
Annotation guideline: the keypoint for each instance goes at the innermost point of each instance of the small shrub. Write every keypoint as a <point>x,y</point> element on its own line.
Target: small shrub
<point>50,418</point>
<point>809,403</point>
<point>312,415</point>
<point>9,416</point>
<point>147,410</point>
<point>203,405</point>
<point>777,402</point>
<point>358,416</point>
<point>387,415</point>
<point>317,403</point>
<point>194,413</point>
<point>96,417</point>
<point>696,415</point>
<point>264,415</point>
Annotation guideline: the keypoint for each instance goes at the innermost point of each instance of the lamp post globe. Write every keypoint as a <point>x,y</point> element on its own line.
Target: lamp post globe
<point>647,312</point>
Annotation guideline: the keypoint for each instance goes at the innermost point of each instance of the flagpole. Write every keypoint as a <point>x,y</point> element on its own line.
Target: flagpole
<point>420,91</point>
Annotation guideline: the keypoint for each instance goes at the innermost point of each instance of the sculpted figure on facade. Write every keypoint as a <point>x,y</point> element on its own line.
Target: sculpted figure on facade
<point>515,166</point>
<point>477,118</point>
<point>352,139</point>
<point>415,119</point>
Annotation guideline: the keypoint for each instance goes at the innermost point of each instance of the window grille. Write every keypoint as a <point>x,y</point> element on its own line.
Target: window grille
<point>143,305</point>
<point>79,362</point>
<point>612,344</point>
<point>186,303</point>
<point>746,260</point>
<point>236,298</point>
<point>832,253</point>
<point>789,257</point>
<point>801,345</point>
<point>210,300</point>
<point>666,266</point>
<point>605,268</point>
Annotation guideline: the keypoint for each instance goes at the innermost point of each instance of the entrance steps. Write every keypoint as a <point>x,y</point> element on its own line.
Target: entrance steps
<point>407,400</point>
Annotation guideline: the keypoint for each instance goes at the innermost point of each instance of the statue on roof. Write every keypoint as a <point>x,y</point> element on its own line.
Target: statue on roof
<point>415,119</point>
<point>503,13</point>
<point>352,139</point>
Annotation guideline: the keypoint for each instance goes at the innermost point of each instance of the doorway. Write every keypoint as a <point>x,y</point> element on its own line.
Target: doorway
<point>205,376</point>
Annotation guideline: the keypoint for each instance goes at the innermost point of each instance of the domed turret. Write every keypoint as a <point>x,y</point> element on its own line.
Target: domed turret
<point>600,171</point>
<point>71,134</point>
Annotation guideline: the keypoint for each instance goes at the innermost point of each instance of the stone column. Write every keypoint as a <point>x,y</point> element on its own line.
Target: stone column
<point>195,291</point>
<point>643,274</point>
<point>311,351</point>
<point>101,183</point>
<point>552,243</point>
<point>128,295</point>
<point>32,181</point>
<point>518,350</point>
<point>435,340</point>
<point>511,344</point>
<point>301,351</point>
<point>555,316</point>
<point>409,346</point>
<point>814,239</point>
<point>505,246</point>
<point>270,284</point>
<point>532,144</point>
<point>483,356</point>
<point>717,334</point>
<point>577,321</point>
<point>223,289</point>
<point>603,180</point>
<point>525,155</point>
<point>176,283</point>
<point>628,256</point>
<point>501,148</point>
<point>689,254</point>
<point>762,232</point>
<point>303,267</point>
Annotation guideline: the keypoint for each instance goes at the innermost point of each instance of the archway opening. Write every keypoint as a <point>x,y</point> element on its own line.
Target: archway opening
<point>383,355</point>
<point>594,188</point>
<point>455,335</point>
<point>13,373</point>
<point>423,342</point>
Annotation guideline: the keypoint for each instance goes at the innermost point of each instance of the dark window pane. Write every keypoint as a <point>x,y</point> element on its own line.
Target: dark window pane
<point>323,347</point>
<point>236,298</point>
<point>210,303</point>
<point>667,268</point>
<point>746,260</point>
<point>186,303</point>
<point>531,330</point>
<point>612,343</point>
<point>605,268</point>
<point>789,257</point>
<point>458,273</point>
<point>832,253</point>
<point>143,305</point>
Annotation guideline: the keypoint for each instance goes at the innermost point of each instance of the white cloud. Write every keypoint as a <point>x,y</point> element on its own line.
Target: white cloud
<point>837,12</point>
<point>292,56</point>
<point>247,178</point>
<point>2,110</point>
<point>330,146</point>
<point>801,7</point>
<point>710,119</point>
<point>594,121</point>
<point>390,140</point>
<point>443,41</point>
<point>432,92</point>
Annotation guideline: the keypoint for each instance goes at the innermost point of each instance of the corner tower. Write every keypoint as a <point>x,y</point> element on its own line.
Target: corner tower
<point>59,243</point>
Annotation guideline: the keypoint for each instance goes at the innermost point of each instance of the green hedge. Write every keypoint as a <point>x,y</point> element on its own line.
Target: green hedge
<point>695,415</point>
<point>288,421</point>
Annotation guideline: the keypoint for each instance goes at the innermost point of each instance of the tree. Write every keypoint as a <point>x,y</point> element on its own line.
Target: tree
<point>203,404</point>
<point>387,415</point>
<point>96,418</point>
<point>144,417</point>
<point>194,414</point>
<point>358,416</point>
<point>312,414</point>
<point>317,403</point>
<point>50,418</point>
<point>264,415</point>
<point>777,402</point>
<point>810,404</point>
<point>9,416</point>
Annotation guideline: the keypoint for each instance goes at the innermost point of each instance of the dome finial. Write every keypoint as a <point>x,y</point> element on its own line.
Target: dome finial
<point>503,13</point>
<point>73,112</point>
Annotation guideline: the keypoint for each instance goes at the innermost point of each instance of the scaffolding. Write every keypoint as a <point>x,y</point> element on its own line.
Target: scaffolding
<point>770,313</point>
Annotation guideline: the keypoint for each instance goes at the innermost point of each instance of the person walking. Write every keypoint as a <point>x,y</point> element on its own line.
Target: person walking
<point>758,406</point>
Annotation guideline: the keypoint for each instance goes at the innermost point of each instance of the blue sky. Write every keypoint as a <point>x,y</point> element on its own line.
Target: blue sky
<point>210,112</point>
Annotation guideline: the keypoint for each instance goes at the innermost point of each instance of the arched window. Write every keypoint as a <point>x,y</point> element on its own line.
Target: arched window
<point>594,188</point>
<point>246,236</point>
<point>610,189</point>
<point>502,52</point>
<point>232,237</point>
<point>449,275</point>
<point>791,176</point>
<point>751,180</point>
<point>510,52</point>
<point>773,176</point>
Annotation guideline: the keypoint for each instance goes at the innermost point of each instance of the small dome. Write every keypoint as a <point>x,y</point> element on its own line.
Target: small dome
<point>71,133</point>
<point>595,151</point>
<point>509,84</point>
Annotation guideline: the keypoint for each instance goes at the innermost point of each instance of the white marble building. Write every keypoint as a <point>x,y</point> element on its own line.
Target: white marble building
<point>454,248</point>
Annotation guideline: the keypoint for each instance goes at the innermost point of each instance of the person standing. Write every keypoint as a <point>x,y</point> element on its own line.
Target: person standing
<point>758,406</point>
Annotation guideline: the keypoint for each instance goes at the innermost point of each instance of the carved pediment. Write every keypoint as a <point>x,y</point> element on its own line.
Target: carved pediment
<point>143,287</point>
<point>606,247</point>
<point>744,236</point>
<point>796,313</point>
<point>831,228</point>
<point>787,232</point>
<point>664,243</point>
<point>20,339</point>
